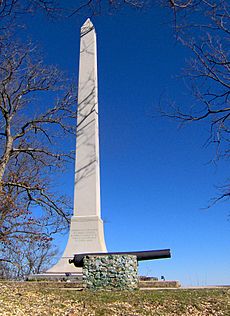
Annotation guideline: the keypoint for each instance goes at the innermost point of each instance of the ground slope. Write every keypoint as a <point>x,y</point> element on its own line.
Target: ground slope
<point>29,298</point>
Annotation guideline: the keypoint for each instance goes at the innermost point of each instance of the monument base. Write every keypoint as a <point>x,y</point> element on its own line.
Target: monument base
<point>86,235</point>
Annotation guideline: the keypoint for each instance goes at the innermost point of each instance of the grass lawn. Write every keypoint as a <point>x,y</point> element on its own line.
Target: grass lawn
<point>30,298</point>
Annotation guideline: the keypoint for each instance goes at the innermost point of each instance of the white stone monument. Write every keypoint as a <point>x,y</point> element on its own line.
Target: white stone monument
<point>86,229</point>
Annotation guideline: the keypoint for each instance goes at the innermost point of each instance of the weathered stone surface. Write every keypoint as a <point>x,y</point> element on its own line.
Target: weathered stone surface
<point>110,272</point>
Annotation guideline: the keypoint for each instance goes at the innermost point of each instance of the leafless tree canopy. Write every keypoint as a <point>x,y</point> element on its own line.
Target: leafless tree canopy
<point>30,135</point>
<point>26,258</point>
<point>204,28</point>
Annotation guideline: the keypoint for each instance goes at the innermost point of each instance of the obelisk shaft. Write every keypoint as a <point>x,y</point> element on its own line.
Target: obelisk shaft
<point>87,174</point>
<point>86,228</point>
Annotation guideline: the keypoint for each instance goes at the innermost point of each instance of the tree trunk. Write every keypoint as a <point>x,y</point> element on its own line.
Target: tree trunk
<point>8,148</point>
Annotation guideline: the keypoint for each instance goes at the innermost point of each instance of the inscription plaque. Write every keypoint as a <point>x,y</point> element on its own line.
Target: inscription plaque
<point>84,234</point>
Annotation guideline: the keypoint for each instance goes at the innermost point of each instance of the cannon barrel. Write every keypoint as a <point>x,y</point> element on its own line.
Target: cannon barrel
<point>141,255</point>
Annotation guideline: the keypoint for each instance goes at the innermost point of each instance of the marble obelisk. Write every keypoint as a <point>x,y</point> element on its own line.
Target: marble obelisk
<point>86,229</point>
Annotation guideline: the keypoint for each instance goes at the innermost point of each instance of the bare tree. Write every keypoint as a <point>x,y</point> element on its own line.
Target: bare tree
<point>204,28</point>
<point>22,258</point>
<point>30,149</point>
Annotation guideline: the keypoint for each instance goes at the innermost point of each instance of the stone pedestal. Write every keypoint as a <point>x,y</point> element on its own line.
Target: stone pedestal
<point>110,272</point>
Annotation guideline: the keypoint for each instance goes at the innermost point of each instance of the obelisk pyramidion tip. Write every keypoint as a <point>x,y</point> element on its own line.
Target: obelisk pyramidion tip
<point>87,27</point>
<point>89,22</point>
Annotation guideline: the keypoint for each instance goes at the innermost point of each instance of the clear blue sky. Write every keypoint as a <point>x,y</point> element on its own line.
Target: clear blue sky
<point>155,178</point>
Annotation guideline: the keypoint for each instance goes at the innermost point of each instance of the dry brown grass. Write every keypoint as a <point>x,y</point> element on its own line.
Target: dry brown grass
<point>31,298</point>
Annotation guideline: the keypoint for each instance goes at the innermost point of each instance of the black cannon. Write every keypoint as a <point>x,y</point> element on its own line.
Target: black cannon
<point>141,255</point>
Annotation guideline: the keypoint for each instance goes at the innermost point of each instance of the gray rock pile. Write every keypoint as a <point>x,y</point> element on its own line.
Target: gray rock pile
<point>110,272</point>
